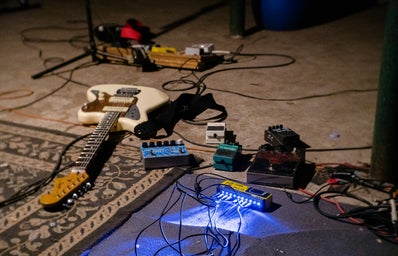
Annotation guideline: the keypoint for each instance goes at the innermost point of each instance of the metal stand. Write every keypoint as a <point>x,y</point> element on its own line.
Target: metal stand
<point>91,51</point>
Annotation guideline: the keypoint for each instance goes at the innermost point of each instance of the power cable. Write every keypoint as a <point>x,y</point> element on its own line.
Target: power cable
<point>48,94</point>
<point>378,216</point>
<point>213,236</point>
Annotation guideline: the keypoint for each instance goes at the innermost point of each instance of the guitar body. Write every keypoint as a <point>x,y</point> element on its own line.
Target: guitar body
<point>111,107</point>
<point>148,99</point>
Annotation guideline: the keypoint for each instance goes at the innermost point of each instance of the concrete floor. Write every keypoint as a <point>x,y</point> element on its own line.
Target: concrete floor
<point>339,55</point>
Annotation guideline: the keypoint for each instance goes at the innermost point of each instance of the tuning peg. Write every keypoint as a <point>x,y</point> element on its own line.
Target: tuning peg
<point>89,185</point>
<point>75,196</point>
<point>69,203</point>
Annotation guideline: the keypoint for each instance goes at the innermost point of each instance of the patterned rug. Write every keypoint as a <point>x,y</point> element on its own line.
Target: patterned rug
<point>28,154</point>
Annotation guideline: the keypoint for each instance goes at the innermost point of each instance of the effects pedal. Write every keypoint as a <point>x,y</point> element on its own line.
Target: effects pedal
<point>244,195</point>
<point>226,157</point>
<point>164,154</point>
<point>272,167</point>
<point>215,133</point>
<point>199,49</point>
<point>282,162</point>
<point>279,135</point>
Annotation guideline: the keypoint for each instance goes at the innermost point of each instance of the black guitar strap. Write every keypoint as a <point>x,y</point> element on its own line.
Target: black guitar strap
<point>185,107</point>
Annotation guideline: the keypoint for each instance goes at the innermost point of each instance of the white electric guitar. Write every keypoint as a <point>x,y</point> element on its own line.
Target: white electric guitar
<point>114,107</point>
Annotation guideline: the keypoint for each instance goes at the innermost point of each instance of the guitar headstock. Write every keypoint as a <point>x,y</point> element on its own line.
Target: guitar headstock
<point>66,190</point>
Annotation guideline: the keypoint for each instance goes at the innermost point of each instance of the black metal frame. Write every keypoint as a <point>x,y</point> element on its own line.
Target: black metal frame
<point>92,50</point>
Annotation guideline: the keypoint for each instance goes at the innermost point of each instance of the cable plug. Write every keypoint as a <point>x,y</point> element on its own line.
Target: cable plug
<point>337,184</point>
<point>336,181</point>
<point>198,188</point>
<point>344,175</point>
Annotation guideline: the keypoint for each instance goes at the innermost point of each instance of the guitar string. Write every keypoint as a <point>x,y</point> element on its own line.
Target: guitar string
<point>99,136</point>
<point>102,130</point>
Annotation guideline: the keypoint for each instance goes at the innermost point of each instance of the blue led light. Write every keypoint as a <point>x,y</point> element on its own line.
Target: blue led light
<point>255,224</point>
<point>243,199</point>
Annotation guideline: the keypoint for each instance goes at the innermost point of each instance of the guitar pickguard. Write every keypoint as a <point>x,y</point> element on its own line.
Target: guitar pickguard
<point>105,103</point>
<point>133,113</point>
<point>99,98</point>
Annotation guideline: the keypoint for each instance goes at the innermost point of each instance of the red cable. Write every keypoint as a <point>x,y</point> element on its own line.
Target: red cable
<point>337,204</point>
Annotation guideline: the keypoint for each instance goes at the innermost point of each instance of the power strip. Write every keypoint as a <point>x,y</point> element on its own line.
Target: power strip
<point>244,195</point>
<point>164,154</point>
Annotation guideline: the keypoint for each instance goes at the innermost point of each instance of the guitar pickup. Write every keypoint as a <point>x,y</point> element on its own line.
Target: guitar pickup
<point>124,100</point>
<point>115,109</point>
<point>128,91</point>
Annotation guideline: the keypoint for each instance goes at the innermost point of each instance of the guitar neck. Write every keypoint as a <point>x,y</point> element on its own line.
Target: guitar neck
<point>109,105</point>
<point>96,139</point>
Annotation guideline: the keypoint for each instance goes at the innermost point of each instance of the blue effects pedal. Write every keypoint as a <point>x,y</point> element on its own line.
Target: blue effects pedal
<point>244,195</point>
<point>164,154</point>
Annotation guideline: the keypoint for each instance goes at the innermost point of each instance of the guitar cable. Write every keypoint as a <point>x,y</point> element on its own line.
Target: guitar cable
<point>201,86</point>
<point>33,188</point>
<point>46,95</point>
<point>380,217</point>
<point>36,186</point>
<point>214,237</point>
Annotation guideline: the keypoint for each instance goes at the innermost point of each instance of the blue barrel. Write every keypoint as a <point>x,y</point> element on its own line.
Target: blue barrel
<point>282,14</point>
<point>296,14</point>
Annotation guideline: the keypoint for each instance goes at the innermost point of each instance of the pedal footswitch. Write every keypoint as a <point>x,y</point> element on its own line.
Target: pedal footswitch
<point>164,154</point>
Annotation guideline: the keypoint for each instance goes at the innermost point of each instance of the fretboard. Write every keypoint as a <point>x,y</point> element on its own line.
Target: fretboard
<point>96,139</point>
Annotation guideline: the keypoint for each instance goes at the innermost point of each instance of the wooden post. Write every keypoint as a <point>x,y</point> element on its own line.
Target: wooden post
<point>237,18</point>
<point>384,162</point>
